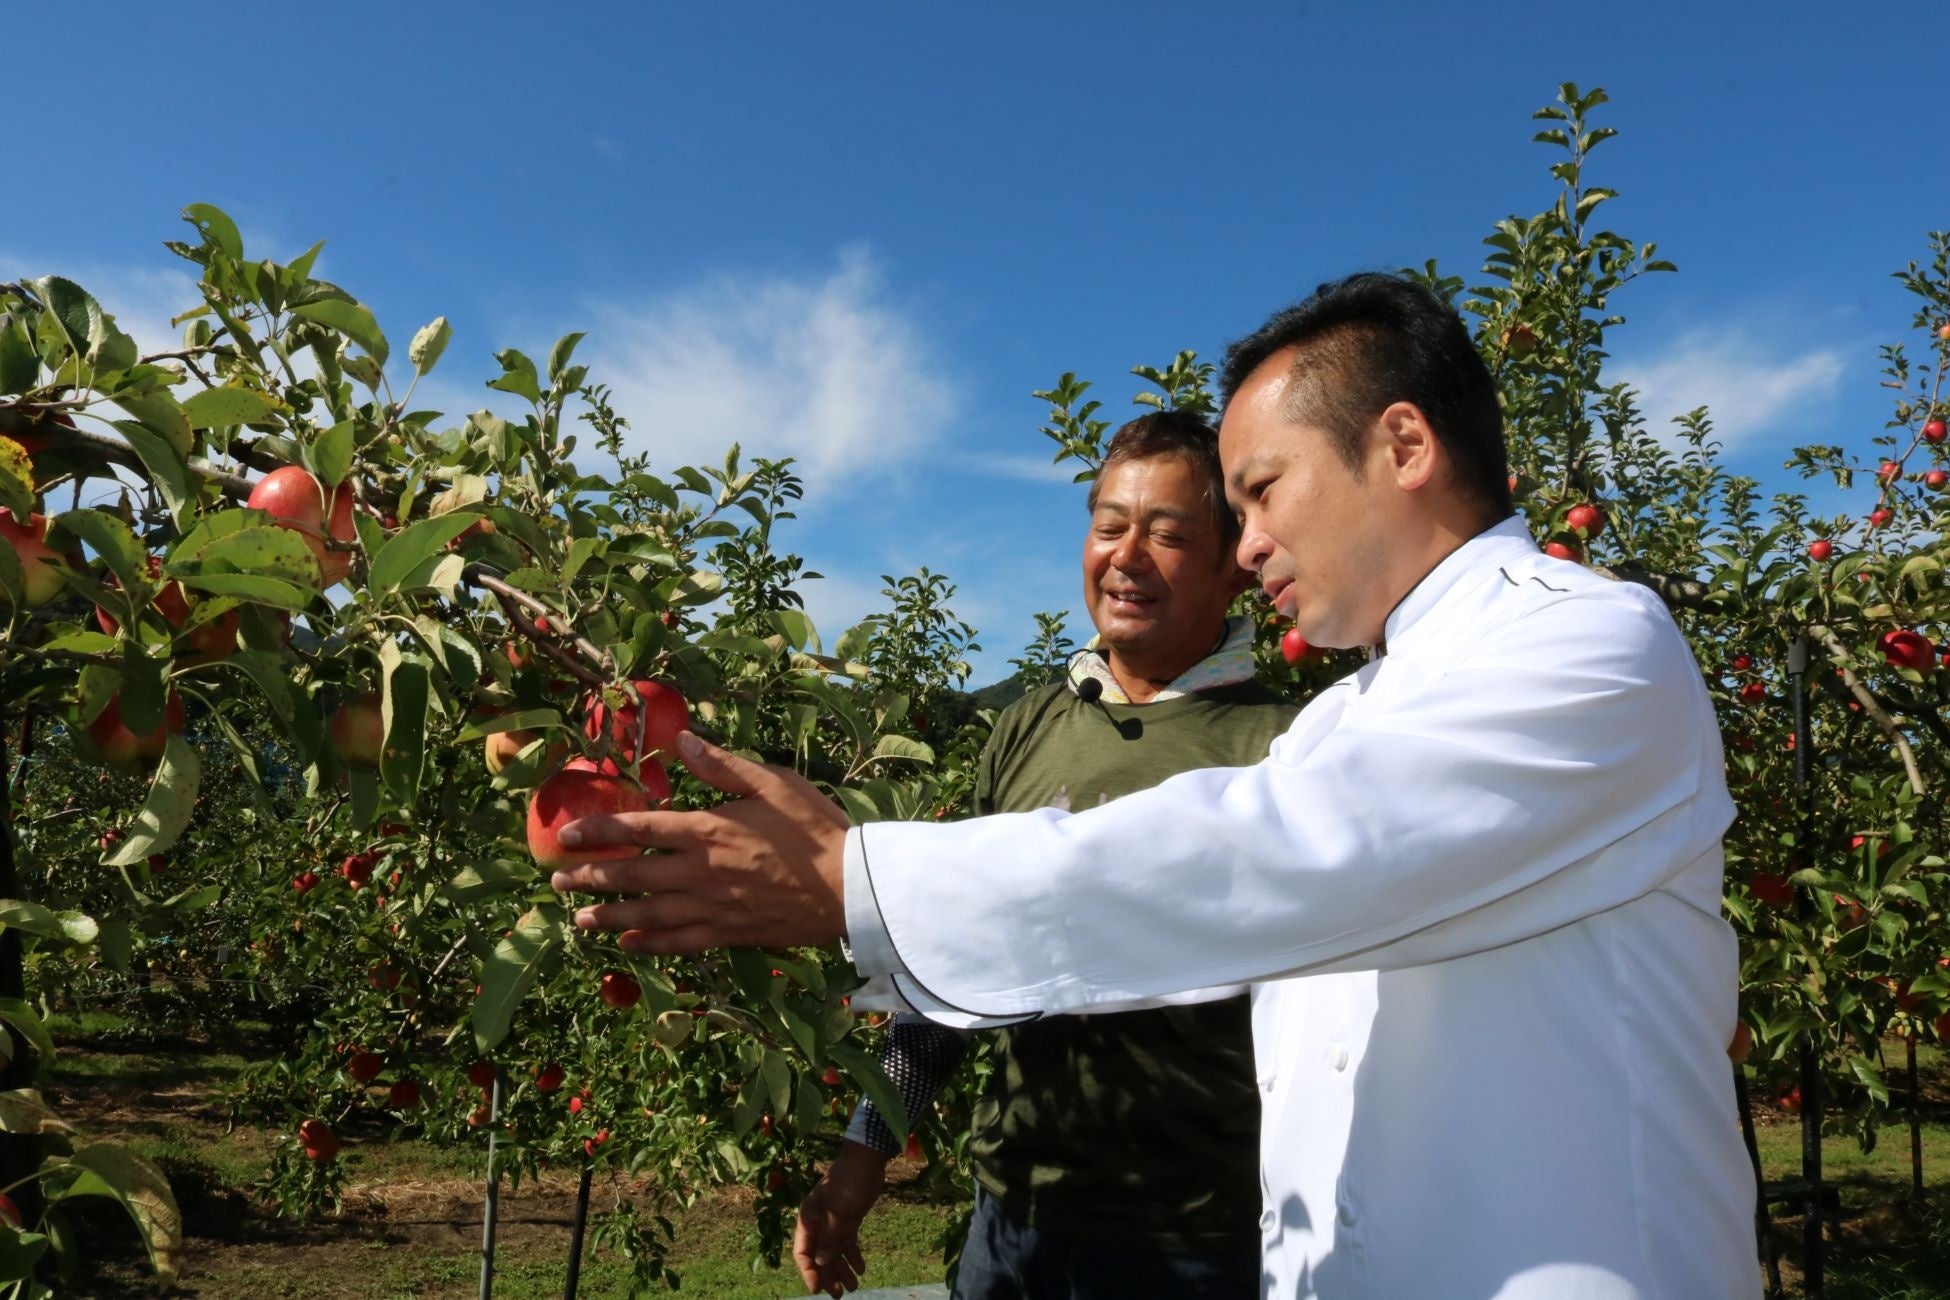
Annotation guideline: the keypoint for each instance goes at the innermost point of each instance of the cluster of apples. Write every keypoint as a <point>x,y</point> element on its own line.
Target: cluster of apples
<point>642,733</point>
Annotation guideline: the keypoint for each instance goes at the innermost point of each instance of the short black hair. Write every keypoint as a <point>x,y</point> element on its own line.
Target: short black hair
<point>1371,340</point>
<point>1188,436</point>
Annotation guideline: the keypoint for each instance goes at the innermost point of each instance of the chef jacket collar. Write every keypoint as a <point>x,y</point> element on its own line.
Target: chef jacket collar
<point>1511,536</point>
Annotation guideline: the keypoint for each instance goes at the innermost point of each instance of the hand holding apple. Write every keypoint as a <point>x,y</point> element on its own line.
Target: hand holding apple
<point>765,871</point>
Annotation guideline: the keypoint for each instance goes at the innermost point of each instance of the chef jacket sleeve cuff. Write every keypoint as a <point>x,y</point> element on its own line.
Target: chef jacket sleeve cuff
<point>868,945</point>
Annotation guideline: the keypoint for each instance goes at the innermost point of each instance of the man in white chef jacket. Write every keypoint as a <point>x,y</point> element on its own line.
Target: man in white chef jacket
<point>1477,884</point>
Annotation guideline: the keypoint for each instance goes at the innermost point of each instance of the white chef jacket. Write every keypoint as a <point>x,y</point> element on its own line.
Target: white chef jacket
<point>1477,886</point>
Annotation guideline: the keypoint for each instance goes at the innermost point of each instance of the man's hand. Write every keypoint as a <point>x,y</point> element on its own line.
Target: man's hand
<point>826,1245</point>
<point>766,871</point>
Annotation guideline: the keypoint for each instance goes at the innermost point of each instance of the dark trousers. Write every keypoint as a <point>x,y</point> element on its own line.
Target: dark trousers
<point>1005,1260</point>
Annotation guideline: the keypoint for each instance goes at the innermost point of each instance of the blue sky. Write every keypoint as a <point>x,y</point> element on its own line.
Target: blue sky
<point>863,234</point>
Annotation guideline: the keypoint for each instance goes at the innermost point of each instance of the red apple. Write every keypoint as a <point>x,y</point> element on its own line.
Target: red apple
<point>481,1074</point>
<point>1293,646</point>
<point>583,790</point>
<point>1877,518</point>
<point>549,1077</point>
<point>404,1095</point>
<point>1935,430</point>
<point>831,1078</point>
<point>384,976</point>
<point>619,990</point>
<point>304,882</point>
<point>1889,471</point>
<point>364,1067</point>
<point>1905,649</point>
<point>664,715</point>
<point>1586,520</point>
<point>519,656</point>
<point>358,734</point>
<point>1753,693</point>
<point>297,501</point>
<point>1562,551</point>
<point>357,869</point>
<point>37,558</point>
<point>578,1102</point>
<point>1767,887</point>
<point>1791,1100</point>
<point>320,1143</point>
<point>1820,549</point>
<point>118,747</point>
<point>10,1213</point>
<point>589,1145</point>
<point>913,1150</point>
<point>1936,479</point>
<point>1741,663</point>
<point>1742,1045</point>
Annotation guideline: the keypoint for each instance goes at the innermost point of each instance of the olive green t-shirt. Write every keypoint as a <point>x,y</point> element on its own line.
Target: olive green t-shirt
<point>1139,1126</point>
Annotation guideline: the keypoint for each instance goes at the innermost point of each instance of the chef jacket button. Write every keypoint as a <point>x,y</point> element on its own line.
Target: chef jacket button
<point>1266,1084</point>
<point>1345,1213</point>
<point>1337,1057</point>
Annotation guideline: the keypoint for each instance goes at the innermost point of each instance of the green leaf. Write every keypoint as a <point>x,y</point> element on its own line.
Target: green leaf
<point>331,455</point>
<point>268,672</point>
<point>81,321</point>
<point>19,1253</point>
<point>23,1110</point>
<point>216,408</point>
<point>558,356</point>
<point>63,927</point>
<point>525,720</point>
<point>364,785</point>
<point>507,975</point>
<point>140,1187</point>
<point>797,628</point>
<point>216,227</point>
<point>112,540</point>
<point>275,592</point>
<point>892,746</point>
<point>404,707</point>
<point>425,349</point>
<point>518,375</point>
<point>262,550</point>
<point>866,1072</point>
<point>16,479</point>
<point>166,467</point>
<point>164,814</point>
<point>20,364</point>
<point>412,545</point>
<point>487,877</point>
<point>22,1017</point>
<point>352,319</point>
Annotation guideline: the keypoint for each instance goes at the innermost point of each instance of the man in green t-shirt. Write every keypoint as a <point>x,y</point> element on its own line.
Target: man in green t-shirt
<point>1114,1155</point>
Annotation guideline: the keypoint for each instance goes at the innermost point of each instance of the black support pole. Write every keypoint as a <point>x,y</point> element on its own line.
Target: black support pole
<point>575,1235</point>
<point>1763,1220</point>
<point>493,1207</point>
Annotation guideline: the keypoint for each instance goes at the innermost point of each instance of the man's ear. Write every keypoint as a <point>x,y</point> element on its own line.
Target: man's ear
<point>1413,452</point>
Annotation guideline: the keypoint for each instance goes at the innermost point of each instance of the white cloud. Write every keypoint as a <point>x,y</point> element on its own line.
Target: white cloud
<point>1029,469</point>
<point>823,369</point>
<point>1743,387</point>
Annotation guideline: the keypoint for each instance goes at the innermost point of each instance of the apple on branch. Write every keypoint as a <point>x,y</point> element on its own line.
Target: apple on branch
<point>297,501</point>
<point>358,732</point>
<point>586,789</point>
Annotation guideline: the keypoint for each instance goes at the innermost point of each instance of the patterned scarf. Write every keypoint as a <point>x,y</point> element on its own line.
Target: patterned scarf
<point>1231,662</point>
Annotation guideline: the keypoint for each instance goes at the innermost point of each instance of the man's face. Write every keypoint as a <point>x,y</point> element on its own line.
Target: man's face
<point>1314,531</point>
<point>1157,575</point>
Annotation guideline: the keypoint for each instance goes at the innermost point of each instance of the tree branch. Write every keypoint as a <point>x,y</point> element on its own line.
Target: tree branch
<point>1873,707</point>
<point>514,601</point>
